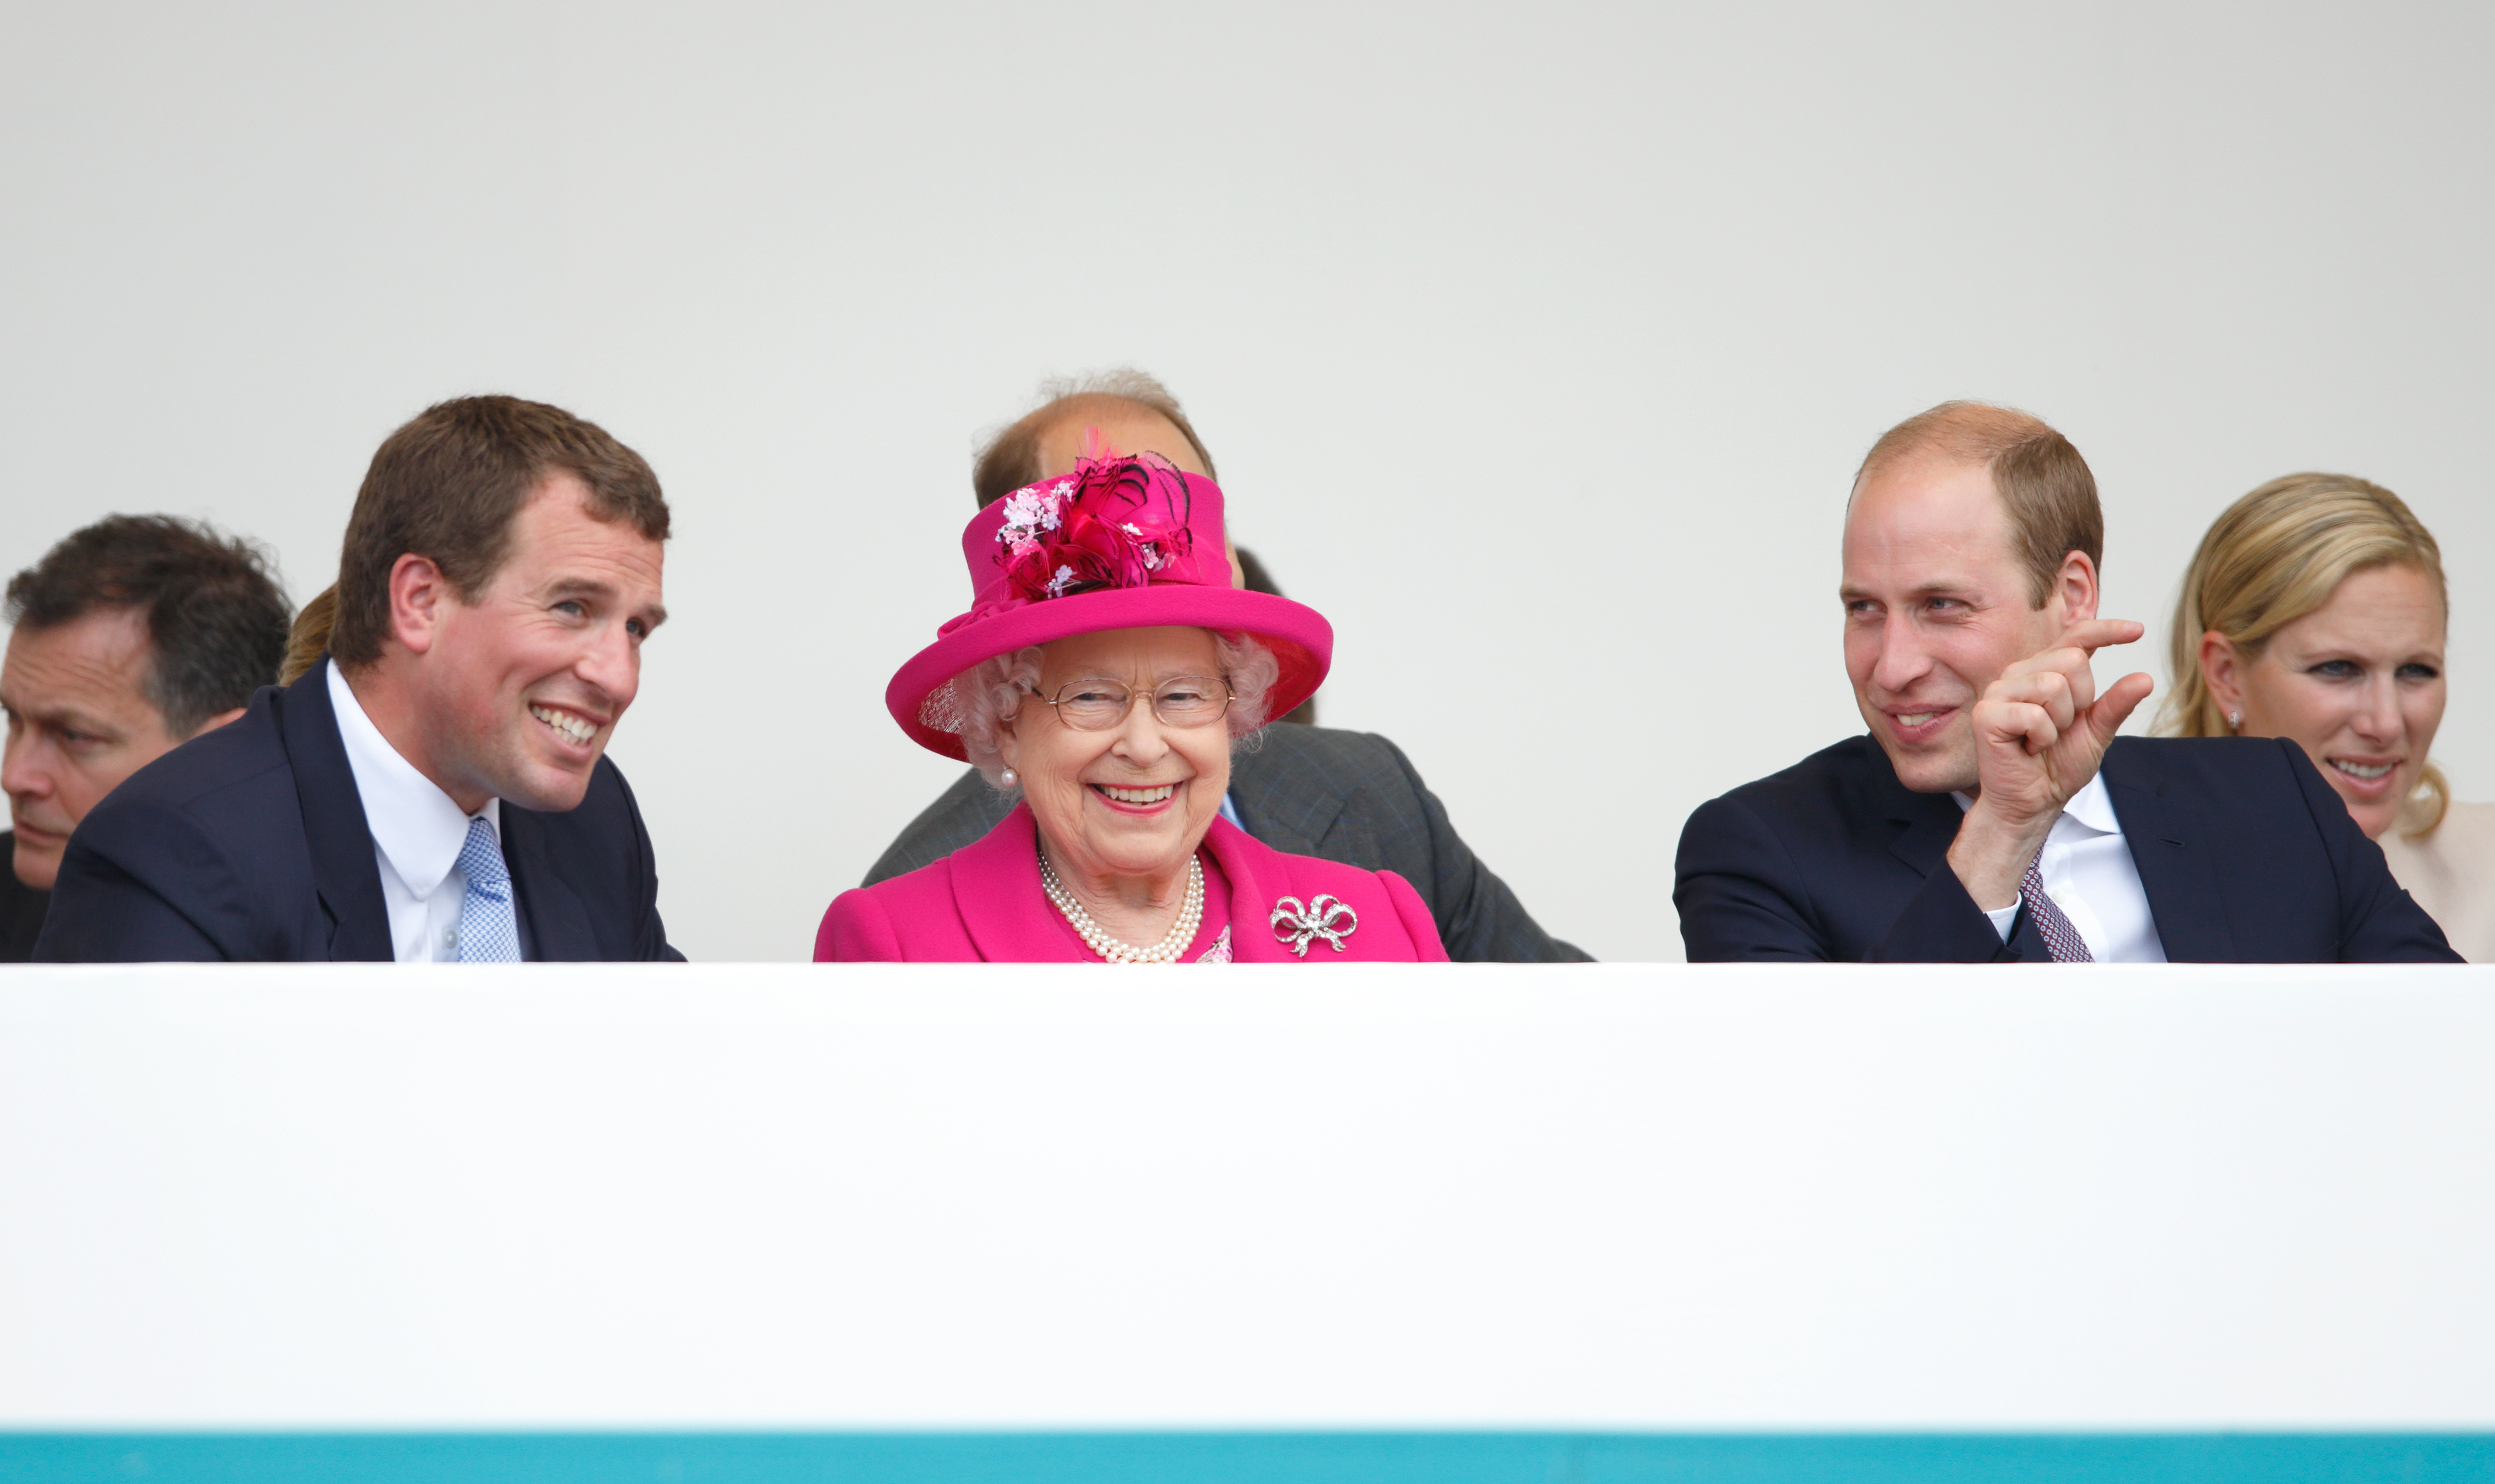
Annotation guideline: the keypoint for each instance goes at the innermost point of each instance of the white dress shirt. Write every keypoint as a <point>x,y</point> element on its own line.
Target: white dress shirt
<point>417,835</point>
<point>2090,873</point>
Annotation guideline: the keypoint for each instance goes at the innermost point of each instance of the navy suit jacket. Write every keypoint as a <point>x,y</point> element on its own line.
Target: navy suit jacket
<point>21,908</point>
<point>249,843</point>
<point>2246,855</point>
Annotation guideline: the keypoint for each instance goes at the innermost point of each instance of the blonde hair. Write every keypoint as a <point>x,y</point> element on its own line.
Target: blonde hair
<point>309,639</point>
<point>2275,556</point>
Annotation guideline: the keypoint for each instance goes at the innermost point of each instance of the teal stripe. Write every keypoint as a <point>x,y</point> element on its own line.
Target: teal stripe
<point>1220,1458</point>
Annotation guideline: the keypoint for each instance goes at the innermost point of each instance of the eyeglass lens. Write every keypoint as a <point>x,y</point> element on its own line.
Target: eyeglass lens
<point>1188,700</point>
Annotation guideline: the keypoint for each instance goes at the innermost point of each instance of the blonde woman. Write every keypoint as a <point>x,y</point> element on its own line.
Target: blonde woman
<point>2315,609</point>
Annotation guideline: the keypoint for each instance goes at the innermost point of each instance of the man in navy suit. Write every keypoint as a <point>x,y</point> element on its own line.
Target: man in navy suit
<point>1991,815</point>
<point>435,787</point>
<point>129,638</point>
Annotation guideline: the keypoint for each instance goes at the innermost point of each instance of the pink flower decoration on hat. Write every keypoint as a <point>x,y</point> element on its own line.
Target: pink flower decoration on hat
<point>1112,522</point>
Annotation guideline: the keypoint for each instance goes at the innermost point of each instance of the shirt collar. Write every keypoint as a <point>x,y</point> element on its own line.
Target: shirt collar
<point>416,824</point>
<point>2090,808</point>
<point>2094,807</point>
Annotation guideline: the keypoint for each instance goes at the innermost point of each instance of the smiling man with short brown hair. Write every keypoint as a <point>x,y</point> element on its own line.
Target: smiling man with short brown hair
<point>436,789</point>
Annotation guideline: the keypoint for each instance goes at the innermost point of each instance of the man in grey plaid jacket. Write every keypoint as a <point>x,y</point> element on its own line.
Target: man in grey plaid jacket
<point>1303,789</point>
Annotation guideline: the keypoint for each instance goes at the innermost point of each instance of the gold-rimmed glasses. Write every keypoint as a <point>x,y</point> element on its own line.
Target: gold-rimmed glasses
<point>1096,705</point>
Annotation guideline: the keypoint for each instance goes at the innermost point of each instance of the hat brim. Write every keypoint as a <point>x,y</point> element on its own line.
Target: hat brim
<point>1300,637</point>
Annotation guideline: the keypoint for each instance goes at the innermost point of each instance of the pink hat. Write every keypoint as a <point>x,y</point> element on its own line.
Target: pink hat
<point>1118,543</point>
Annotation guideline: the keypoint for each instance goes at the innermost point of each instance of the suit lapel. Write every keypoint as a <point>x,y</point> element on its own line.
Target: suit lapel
<point>1252,898</point>
<point>553,922</point>
<point>344,868</point>
<point>2171,855</point>
<point>1922,842</point>
<point>995,890</point>
<point>1927,823</point>
<point>1290,819</point>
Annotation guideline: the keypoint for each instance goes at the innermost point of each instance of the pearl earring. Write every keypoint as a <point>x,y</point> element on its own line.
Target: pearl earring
<point>1009,778</point>
<point>2235,718</point>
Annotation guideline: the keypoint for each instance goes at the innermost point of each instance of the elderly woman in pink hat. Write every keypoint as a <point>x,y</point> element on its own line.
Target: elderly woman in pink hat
<point>1104,672</point>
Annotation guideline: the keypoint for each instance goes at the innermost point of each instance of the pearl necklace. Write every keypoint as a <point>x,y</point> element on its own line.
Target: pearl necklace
<point>1190,916</point>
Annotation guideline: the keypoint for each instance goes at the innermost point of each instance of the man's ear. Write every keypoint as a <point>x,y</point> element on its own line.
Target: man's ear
<point>417,595</point>
<point>2222,670</point>
<point>2076,584</point>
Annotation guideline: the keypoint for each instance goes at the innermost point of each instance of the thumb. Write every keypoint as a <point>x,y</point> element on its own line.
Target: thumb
<point>2115,706</point>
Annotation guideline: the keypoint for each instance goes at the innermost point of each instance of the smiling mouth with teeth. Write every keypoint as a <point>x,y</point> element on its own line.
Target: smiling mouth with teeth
<point>1137,795</point>
<point>566,725</point>
<point>2361,770</point>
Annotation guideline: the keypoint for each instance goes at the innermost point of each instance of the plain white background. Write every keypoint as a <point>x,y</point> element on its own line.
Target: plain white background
<point>1713,1196</point>
<point>1536,344</point>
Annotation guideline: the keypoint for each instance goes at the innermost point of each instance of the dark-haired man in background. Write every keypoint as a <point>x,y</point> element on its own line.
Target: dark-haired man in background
<point>128,638</point>
<point>1311,790</point>
<point>1991,815</point>
<point>438,788</point>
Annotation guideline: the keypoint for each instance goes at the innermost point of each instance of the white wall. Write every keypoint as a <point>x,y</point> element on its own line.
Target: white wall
<point>1536,346</point>
<point>1710,1198</point>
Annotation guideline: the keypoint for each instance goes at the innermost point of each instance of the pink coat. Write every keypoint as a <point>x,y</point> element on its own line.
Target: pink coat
<point>982,904</point>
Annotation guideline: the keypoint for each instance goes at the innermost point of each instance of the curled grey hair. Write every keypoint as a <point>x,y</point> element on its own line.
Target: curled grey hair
<point>987,696</point>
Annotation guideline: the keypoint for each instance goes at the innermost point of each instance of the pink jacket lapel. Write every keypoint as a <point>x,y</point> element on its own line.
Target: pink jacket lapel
<point>1260,876</point>
<point>995,890</point>
<point>995,886</point>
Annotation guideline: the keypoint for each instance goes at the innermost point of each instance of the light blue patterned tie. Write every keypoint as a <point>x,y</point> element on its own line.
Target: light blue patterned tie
<point>487,931</point>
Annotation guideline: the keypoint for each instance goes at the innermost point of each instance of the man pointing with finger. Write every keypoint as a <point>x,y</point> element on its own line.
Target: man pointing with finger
<point>1991,815</point>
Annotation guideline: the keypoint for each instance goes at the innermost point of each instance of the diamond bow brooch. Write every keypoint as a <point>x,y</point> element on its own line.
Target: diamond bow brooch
<point>1324,917</point>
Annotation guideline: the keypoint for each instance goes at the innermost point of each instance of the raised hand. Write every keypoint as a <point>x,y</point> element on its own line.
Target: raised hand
<point>2040,732</point>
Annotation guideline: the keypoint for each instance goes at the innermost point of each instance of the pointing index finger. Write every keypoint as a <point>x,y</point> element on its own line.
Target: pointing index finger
<point>2093,634</point>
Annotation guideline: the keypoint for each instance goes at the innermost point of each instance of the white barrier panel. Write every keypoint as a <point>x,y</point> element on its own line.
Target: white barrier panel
<point>1633,1197</point>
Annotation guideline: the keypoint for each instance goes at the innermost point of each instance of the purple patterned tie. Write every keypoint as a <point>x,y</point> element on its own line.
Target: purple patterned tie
<point>2061,939</point>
